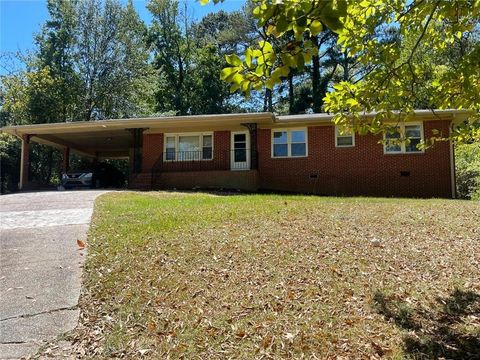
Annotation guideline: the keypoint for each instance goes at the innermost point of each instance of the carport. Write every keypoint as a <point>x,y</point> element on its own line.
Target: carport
<point>107,139</point>
<point>115,138</point>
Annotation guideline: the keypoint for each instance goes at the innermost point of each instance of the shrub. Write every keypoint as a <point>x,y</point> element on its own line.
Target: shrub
<point>467,161</point>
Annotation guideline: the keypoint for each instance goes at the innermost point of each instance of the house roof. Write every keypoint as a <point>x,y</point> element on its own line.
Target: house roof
<point>113,138</point>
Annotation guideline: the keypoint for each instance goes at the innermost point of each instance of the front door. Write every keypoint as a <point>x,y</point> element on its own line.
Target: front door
<point>240,154</point>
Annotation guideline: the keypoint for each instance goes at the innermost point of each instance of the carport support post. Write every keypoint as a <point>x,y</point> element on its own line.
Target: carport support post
<point>24,162</point>
<point>66,159</point>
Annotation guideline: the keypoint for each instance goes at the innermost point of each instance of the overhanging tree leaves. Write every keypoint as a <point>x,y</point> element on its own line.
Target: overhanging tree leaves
<point>388,89</point>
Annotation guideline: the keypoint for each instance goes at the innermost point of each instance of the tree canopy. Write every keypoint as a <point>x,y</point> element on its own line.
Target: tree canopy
<point>385,37</point>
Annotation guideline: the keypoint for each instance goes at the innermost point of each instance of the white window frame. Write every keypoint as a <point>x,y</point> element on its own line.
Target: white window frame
<point>177,136</point>
<point>403,145</point>
<point>289,143</point>
<point>345,135</point>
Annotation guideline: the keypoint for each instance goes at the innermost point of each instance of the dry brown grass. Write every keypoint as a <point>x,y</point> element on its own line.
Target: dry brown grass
<point>202,276</point>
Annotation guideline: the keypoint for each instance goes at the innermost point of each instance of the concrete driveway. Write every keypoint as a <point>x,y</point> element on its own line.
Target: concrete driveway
<point>40,266</point>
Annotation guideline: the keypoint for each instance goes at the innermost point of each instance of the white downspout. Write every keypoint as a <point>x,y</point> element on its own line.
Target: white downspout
<point>453,181</point>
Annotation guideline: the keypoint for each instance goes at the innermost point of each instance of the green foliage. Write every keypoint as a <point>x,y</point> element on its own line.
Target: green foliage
<point>54,95</point>
<point>172,46</point>
<point>9,160</point>
<point>45,164</point>
<point>91,62</point>
<point>398,78</point>
<point>186,54</point>
<point>412,70</point>
<point>111,58</point>
<point>467,163</point>
<point>228,31</point>
<point>210,94</point>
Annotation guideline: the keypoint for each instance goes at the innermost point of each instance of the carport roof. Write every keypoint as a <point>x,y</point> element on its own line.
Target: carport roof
<point>113,138</point>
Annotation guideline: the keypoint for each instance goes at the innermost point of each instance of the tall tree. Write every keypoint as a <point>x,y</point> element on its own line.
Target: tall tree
<point>188,54</point>
<point>91,61</point>
<point>209,95</point>
<point>171,40</point>
<point>56,103</point>
<point>106,37</point>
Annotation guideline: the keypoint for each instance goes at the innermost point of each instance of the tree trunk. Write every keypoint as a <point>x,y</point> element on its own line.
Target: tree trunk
<point>316,87</point>
<point>291,95</point>
<point>267,101</point>
<point>180,104</point>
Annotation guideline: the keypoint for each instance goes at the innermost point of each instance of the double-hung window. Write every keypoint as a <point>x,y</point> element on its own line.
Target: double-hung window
<point>188,147</point>
<point>289,143</point>
<point>404,138</point>
<point>344,137</point>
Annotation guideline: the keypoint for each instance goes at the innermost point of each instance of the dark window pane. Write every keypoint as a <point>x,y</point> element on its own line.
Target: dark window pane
<point>239,137</point>
<point>240,155</point>
<point>207,153</point>
<point>299,150</point>
<point>392,135</point>
<point>170,154</point>
<point>240,145</point>
<point>344,141</point>
<point>412,145</point>
<point>412,131</point>
<point>280,150</point>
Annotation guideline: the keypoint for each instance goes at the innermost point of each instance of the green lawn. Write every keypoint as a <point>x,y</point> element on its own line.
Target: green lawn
<point>204,276</point>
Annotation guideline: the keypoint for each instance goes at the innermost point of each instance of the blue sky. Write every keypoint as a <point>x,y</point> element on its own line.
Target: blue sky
<point>21,19</point>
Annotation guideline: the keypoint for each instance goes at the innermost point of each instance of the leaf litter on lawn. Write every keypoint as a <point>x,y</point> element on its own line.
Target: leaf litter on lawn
<point>182,275</point>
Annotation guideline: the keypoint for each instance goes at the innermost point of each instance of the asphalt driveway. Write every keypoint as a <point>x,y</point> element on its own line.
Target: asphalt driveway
<point>40,266</point>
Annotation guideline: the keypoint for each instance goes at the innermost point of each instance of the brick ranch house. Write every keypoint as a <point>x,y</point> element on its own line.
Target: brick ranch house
<point>261,151</point>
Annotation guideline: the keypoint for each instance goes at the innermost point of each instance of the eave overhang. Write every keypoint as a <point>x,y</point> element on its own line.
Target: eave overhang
<point>113,138</point>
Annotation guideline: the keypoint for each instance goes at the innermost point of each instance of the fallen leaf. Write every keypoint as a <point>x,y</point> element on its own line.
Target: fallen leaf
<point>267,341</point>
<point>143,351</point>
<point>81,244</point>
<point>240,333</point>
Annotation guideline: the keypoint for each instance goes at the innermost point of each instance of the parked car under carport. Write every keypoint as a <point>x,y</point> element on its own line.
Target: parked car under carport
<point>101,175</point>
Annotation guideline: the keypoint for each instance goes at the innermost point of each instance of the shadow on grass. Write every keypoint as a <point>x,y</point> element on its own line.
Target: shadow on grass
<point>442,331</point>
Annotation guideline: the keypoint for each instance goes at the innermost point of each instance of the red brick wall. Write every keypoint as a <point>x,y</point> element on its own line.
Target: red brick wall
<point>361,170</point>
<point>153,148</point>
<point>219,179</point>
<point>221,149</point>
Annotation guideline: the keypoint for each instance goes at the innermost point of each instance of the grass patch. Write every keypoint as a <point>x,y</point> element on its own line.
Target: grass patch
<point>204,276</point>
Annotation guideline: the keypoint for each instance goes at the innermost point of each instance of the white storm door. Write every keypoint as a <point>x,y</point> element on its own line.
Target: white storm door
<point>240,154</point>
